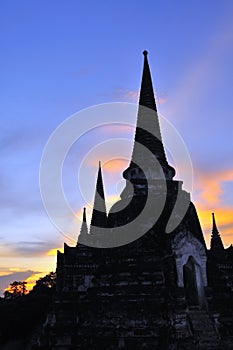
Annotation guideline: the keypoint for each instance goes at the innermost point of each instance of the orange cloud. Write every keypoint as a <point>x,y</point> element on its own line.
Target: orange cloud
<point>210,186</point>
<point>115,165</point>
<point>210,197</point>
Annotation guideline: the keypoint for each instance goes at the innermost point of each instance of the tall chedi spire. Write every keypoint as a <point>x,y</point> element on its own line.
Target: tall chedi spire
<point>216,245</point>
<point>148,131</point>
<point>83,236</point>
<point>99,215</point>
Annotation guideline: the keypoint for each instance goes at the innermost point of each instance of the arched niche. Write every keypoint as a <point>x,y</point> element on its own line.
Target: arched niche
<point>193,283</point>
<point>185,246</point>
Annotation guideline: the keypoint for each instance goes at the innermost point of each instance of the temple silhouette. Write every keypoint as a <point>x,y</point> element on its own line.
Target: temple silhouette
<point>161,290</point>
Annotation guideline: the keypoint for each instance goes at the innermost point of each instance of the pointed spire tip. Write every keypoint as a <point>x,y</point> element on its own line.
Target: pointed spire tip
<point>213,218</point>
<point>145,52</point>
<point>84,215</point>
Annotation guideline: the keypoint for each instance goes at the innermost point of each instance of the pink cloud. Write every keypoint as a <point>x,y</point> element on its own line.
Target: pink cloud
<point>161,100</point>
<point>126,95</point>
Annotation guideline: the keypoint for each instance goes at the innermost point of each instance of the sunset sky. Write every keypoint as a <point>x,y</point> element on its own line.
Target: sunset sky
<point>59,57</point>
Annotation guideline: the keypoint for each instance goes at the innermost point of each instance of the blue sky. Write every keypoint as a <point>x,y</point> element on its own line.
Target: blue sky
<point>58,57</point>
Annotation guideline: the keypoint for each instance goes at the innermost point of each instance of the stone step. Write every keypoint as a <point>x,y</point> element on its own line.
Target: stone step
<point>203,329</point>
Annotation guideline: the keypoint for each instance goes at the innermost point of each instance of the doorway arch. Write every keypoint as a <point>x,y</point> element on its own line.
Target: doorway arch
<point>193,284</point>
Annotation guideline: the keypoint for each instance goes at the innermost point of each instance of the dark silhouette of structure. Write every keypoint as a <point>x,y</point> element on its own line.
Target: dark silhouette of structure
<point>163,290</point>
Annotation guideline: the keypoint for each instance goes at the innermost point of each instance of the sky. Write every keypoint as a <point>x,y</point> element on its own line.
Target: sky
<point>60,57</point>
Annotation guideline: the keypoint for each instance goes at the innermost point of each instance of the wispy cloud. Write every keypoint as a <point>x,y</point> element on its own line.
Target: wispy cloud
<point>31,248</point>
<point>27,248</point>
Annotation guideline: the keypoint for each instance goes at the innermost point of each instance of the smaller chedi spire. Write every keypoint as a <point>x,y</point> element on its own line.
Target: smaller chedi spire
<point>216,245</point>
<point>83,236</point>
<point>99,214</point>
